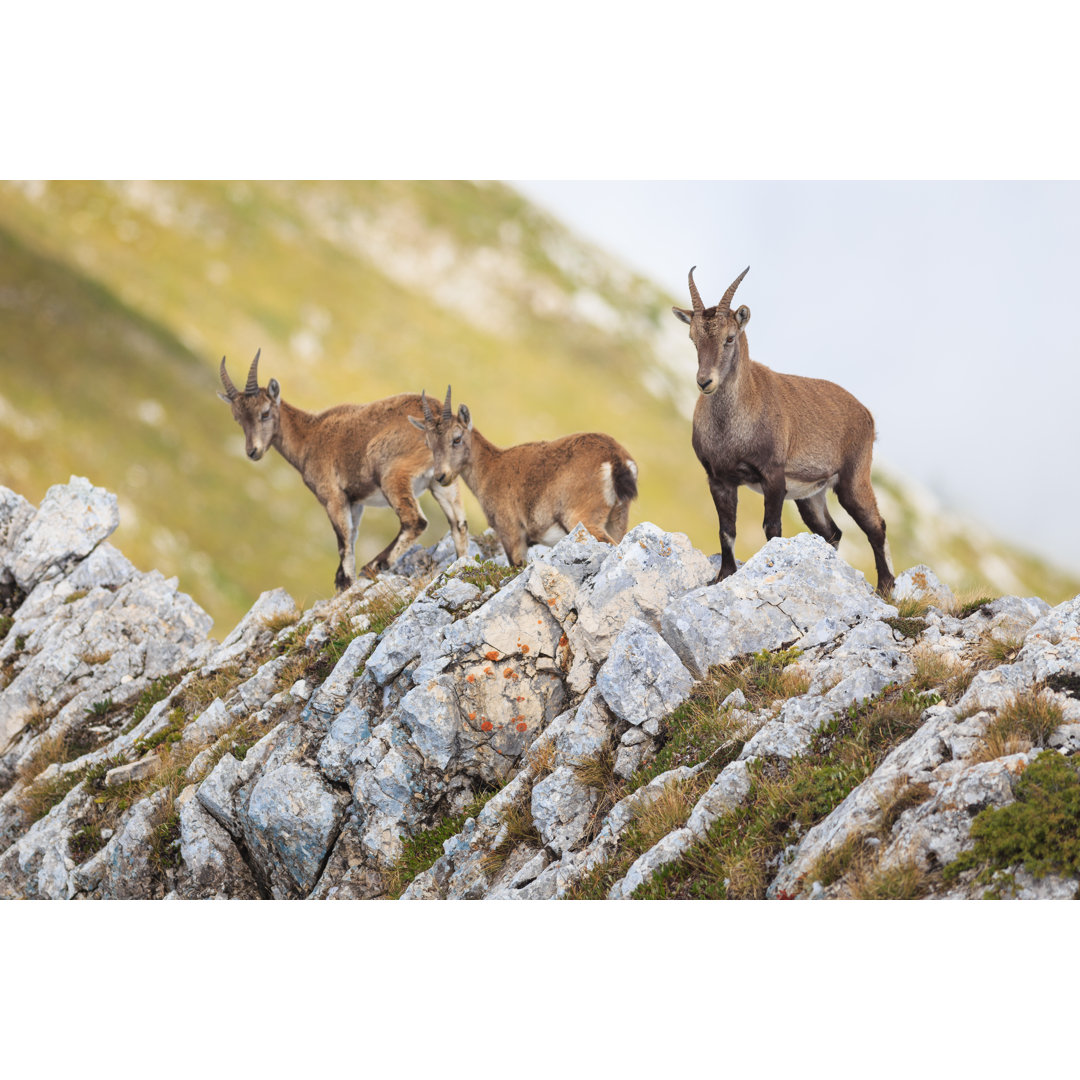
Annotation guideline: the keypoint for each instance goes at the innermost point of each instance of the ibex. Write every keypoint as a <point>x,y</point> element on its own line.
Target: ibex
<point>534,493</point>
<point>350,456</point>
<point>785,436</point>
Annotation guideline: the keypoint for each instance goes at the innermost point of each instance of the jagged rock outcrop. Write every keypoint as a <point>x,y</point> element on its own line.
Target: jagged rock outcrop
<point>604,722</point>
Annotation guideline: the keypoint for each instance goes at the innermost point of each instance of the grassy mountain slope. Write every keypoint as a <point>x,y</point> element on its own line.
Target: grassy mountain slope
<point>117,301</point>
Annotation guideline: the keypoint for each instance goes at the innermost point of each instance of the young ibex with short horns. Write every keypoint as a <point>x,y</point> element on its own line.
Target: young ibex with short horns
<point>785,436</point>
<point>534,493</point>
<point>351,456</point>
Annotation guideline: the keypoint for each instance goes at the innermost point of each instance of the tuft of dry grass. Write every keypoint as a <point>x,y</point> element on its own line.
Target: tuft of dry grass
<point>990,652</point>
<point>520,829</point>
<point>96,658</point>
<point>541,759</point>
<point>763,678</point>
<point>913,607</point>
<point>49,750</point>
<point>1027,720</point>
<point>937,670</point>
<point>905,881</point>
<point>201,692</point>
<point>276,623</point>
<point>967,603</point>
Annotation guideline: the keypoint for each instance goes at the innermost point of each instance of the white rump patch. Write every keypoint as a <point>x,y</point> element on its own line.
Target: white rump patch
<point>607,483</point>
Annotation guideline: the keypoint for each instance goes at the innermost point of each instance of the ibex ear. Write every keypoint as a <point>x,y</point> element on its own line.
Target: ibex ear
<point>682,314</point>
<point>225,398</point>
<point>464,417</point>
<point>742,316</point>
<point>417,423</point>
<point>274,390</point>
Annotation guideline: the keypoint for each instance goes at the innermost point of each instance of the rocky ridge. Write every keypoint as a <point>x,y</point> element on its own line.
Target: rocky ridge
<point>603,723</point>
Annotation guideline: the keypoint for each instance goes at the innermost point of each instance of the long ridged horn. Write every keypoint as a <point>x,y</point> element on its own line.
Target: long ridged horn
<point>253,376</point>
<point>230,390</point>
<point>695,296</point>
<point>447,414</point>
<point>725,300</point>
<point>429,419</point>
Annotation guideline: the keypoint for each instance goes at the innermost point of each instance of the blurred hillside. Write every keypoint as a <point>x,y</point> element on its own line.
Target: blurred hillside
<point>117,301</point>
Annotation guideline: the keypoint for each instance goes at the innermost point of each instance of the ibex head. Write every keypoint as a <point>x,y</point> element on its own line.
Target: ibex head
<point>449,437</point>
<point>715,332</point>
<point>255,409</point>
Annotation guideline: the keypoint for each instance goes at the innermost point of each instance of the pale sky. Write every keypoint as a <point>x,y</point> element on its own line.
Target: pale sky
<point>948,308</point>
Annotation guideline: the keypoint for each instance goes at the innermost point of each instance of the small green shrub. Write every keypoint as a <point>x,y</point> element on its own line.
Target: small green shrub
<point>969,607</point>
<point>85,842</point>
<point>172,733</point>
<point>487,572</point>
<point>1040,831</point>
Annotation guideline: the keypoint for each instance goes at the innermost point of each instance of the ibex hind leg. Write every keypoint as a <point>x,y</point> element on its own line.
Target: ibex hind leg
<point>815,512</point>
<point>452,505</point>
<point>856,495</point>
<point>400,496</point>
<point>618,520</point>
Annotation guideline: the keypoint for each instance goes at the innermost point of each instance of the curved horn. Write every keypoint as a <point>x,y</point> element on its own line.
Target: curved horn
<point>695,296</point>
<point>252,386</point>
<point>447,414</point>
<point>428,418</point>
<point>230,390</point>
<point>725,300</point>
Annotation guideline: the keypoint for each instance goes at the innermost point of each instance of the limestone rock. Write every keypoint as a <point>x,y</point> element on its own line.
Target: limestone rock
<point>71,521</point>
<point>794,592</point>
<point>637,580</point>
<point>562,808</point>
<point>642,678</point>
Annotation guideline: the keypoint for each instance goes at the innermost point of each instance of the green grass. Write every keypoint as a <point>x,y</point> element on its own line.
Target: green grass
<point>1040,831</point>
<point>420,852</point>
<point>697,727</point>
<point>735,859</point>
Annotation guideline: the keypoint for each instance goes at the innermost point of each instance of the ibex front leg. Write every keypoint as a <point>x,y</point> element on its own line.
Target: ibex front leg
<point>726,499</point>
<point>774,488</point>
<point>341,518</point>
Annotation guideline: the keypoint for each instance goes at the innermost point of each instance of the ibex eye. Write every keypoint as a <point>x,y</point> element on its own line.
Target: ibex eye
<point>457,440</point>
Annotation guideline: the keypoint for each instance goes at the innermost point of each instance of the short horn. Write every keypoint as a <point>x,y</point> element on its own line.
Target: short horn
<point>253,376</point>
<point>725,300</point>
<point>695,296</point>
<point>428,418</point>
<point>230,390</point>
<point>447,414</point>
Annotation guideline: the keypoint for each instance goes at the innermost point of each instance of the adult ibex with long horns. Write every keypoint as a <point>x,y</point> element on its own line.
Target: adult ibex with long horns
<point>534,493</point>
<point>351,456</point>
<point>785,436</point>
